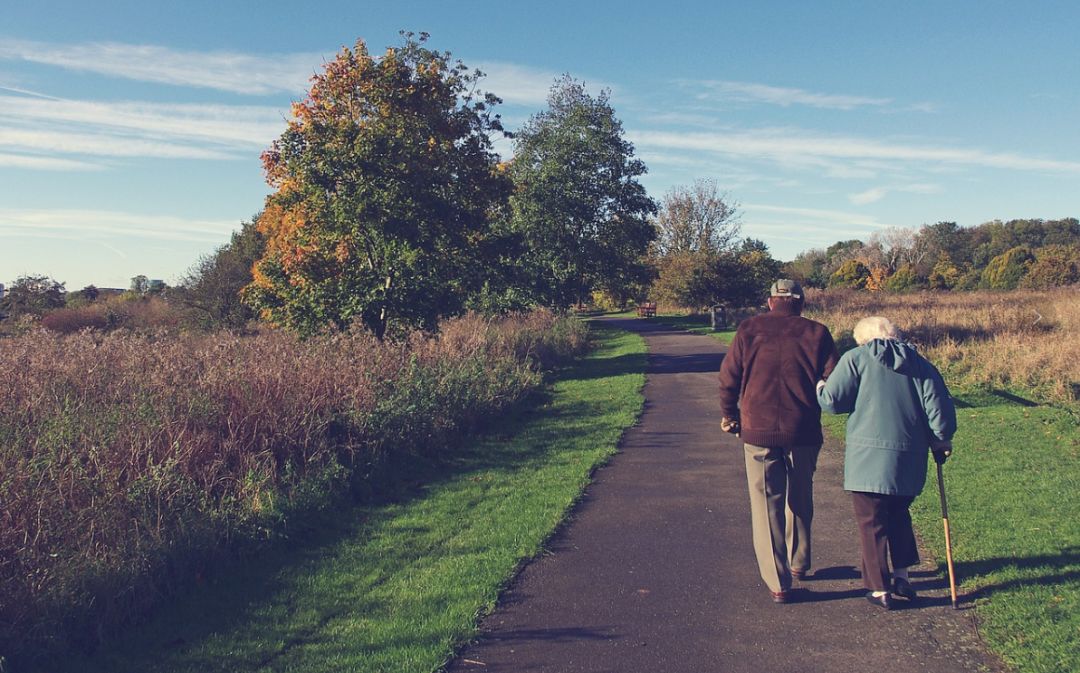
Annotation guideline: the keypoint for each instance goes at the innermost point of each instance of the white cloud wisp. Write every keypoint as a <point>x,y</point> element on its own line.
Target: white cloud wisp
<point>794,147</point>
<point>221,70</point>
<point>93,224</point>
<point>750,92</point>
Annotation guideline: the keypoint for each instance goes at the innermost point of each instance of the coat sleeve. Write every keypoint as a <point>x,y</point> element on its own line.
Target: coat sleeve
<point>841,388</point>
<point>731,371</point>
<point>829,355</point>
<point>938,404</point>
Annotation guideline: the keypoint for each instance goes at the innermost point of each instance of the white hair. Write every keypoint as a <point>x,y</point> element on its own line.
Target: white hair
<point>875,327</point>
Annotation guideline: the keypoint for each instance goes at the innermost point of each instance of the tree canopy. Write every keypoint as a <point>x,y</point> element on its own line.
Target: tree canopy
<point>212,287</point>
<point>696,218</point>
<point>32,295</point>
<point>578,207</point>
<point>944,256</point>
<point>385,181</point>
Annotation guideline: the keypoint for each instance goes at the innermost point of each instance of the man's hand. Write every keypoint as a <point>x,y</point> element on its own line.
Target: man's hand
<point>730,425</point>
<point>942,449</point>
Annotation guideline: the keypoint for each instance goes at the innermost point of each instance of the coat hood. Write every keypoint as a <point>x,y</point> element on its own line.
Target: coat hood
<point>895,355</point>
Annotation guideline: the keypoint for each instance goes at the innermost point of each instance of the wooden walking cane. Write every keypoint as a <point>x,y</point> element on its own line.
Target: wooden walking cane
<point>948,539</point>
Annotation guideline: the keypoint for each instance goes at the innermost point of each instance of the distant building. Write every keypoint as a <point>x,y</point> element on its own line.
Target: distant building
<point>1,290</point>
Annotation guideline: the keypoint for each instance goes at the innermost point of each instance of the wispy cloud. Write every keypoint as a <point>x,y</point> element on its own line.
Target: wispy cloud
<point>517,84</point>
<point>795,147</point>
<point>94,224</point>
<point>38,163</point>
<point>244,73</point>
<point>526,85</point>
<point>875,194</point>
<point>750,92</point>
<point>825,219</point>
<point>27,92</point>
<point>222,70</point>
<point>871,195</point>
<point>63,142</point>
<point>234,125</point>
<point>43,133</point>
<point>787,228</point>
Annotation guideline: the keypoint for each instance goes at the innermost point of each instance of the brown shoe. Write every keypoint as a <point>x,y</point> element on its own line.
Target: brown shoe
<point>800,574</point>
<point>780,596</point>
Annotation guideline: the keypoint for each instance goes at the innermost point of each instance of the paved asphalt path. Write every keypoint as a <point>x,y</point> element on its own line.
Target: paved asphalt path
<point>655,570</point>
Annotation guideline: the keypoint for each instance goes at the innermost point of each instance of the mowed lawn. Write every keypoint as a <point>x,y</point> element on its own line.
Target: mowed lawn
<point>398,587</point>
<point>1014,514</point>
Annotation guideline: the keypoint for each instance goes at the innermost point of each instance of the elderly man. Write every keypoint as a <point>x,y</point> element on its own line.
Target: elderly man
<point>767,396</point>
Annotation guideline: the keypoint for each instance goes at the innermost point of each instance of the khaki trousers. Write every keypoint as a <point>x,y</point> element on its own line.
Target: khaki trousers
<point>781,483</point>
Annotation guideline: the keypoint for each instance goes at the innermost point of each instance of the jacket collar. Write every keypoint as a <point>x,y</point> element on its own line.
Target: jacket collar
<point>784,309</point>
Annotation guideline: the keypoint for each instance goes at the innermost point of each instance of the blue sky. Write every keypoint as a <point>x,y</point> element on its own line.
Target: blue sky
<point>130,132</point>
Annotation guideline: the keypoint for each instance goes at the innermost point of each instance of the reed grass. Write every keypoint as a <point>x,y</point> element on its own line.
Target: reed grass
<point>129,463</point>
<point>1021,340</point>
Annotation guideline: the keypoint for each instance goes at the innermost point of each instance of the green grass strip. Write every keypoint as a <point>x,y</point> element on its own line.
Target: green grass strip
<point>695,324</point>
<point>1014,515</point>
<point>397,587</point>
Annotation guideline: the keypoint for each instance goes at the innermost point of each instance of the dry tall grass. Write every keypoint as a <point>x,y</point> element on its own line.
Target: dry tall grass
<point>128,461</point>
<point>1025,338</point>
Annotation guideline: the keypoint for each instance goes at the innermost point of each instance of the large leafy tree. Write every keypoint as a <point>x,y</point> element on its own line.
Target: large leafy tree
<point>577,205</point>
<point>385,181</point>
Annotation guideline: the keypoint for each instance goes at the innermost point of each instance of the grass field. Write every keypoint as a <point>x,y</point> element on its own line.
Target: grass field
<point>397,587</point>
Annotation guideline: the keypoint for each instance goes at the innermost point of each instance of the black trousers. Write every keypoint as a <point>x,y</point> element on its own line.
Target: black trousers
<point>884,530</point>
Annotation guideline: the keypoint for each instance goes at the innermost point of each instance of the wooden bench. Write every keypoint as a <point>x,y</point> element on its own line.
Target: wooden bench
<point>646,309</point>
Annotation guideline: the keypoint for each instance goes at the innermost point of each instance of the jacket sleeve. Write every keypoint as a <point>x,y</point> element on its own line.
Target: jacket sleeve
<point>841,388</point>
<point>829,355</point>
<point>938,404</point>
<point>731,371</point>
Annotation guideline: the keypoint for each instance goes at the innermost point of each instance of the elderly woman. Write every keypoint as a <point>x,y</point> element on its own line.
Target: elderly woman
<point>899,408</point>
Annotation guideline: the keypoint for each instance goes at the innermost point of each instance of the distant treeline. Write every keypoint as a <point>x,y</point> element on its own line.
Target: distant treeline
<point>994,255</point>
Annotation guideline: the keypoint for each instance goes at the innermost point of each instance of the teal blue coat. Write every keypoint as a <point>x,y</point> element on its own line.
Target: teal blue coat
<point>898,402</point>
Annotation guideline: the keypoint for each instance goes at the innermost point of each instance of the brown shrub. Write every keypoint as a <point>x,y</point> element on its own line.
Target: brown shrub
<point>139,314</point>
<point>68,320</point>
<point>1024,338</point>
<point>128,460</point>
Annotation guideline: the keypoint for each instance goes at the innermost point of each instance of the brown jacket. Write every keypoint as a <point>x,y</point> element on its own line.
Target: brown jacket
<point>768,376</point>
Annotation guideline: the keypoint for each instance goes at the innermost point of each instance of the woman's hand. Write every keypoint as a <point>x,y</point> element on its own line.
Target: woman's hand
<point>942,449</point>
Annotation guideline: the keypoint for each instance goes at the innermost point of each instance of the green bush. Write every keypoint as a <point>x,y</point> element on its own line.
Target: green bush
<point>945,275</point>
<point>904,280</point>
<point>1005,271</point>
<point>851,274</point>
<point>1054,266</point>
